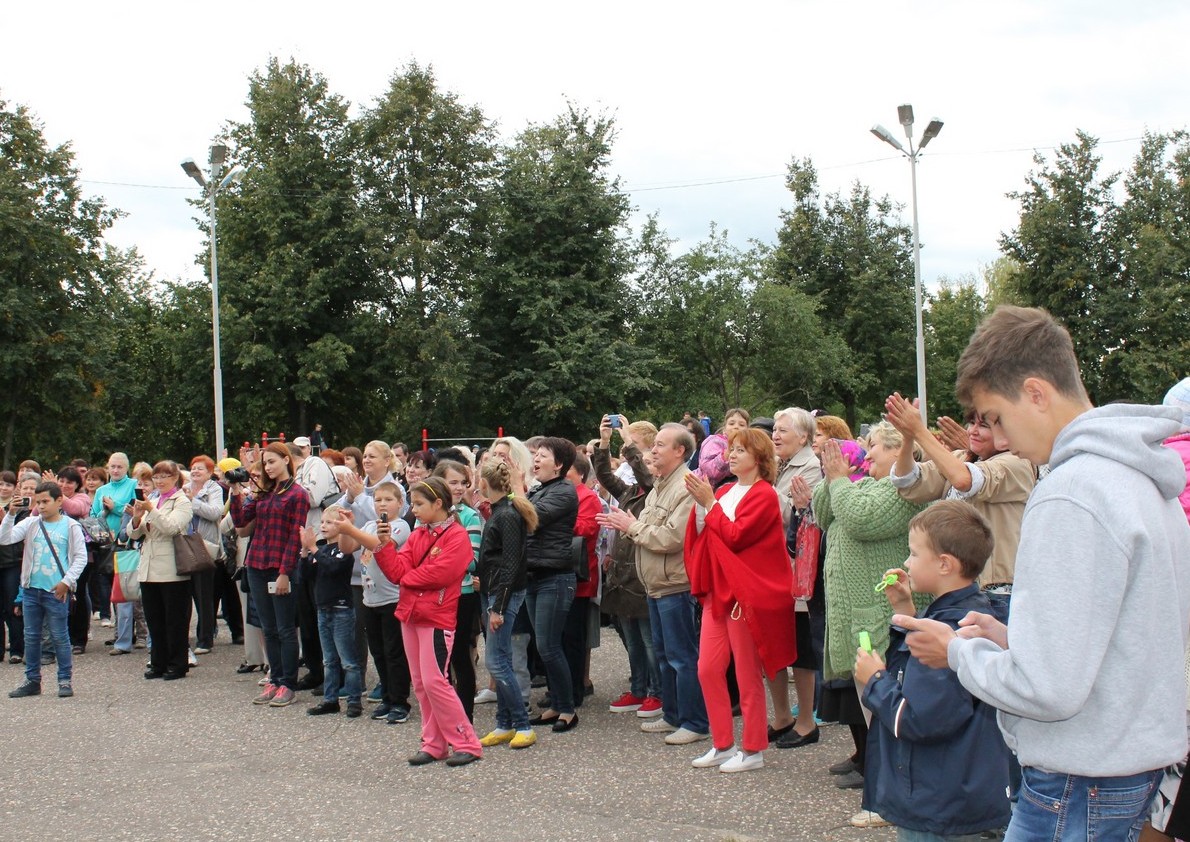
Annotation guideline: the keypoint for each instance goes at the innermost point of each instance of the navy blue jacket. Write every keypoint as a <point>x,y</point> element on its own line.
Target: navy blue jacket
<point>936,760</point>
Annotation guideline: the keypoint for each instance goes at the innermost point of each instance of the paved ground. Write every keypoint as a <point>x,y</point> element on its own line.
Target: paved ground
<point>148,760</point>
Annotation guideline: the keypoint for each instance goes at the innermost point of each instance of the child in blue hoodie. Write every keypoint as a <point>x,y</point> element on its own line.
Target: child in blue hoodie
<point>940,764</point>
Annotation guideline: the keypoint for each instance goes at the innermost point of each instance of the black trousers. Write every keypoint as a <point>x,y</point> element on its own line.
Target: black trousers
<point>227,592</point>
<point>202,591</point>
<point>462,667</point>
<point>79,622</point>
<point>167,613</point>
<point>362,643</point>
<point>574,644</point>
<point>307,616</point>
<point>388,652</point>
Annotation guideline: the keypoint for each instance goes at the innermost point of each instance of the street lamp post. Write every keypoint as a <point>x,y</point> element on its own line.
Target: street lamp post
<point>212,188</point>
<point>905,116</point>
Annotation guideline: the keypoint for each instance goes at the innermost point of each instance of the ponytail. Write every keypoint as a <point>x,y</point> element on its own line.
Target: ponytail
<point>499,479</point>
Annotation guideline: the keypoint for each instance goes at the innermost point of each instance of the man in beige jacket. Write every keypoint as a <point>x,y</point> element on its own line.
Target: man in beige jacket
<point>659,535</point>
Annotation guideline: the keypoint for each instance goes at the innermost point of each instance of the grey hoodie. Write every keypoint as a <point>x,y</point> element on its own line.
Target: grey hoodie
<point>1092,682</point>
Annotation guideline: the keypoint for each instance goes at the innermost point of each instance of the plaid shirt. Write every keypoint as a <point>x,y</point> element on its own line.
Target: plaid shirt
<point>276,542</point>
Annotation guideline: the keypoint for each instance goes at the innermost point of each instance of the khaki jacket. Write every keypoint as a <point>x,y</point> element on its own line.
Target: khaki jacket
<point>158,528</point>
<point>660,536</point>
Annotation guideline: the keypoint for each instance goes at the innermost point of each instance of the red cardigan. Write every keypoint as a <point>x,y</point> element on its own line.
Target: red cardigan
<point>745,561</point>
<point>585,526</point>
<point>429,572</point>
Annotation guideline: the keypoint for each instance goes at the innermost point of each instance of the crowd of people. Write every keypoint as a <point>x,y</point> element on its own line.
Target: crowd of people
<point>997,610</point>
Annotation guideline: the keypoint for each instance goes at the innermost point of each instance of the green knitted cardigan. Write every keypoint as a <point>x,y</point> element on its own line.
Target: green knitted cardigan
<point>866,525</point>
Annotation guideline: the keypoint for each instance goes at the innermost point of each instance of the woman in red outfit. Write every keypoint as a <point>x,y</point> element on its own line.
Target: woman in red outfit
<point>429,568</point>
<point>740,572</point>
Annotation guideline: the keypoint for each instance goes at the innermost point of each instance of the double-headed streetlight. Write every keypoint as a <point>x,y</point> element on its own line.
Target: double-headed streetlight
<point>905,116</point>
<point>212,188</point>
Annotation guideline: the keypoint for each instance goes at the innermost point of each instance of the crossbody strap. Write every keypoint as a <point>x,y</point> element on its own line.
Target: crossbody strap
<point>53,551</point>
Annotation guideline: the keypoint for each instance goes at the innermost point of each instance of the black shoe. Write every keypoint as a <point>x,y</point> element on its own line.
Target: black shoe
<point>246,667</point>
<point>111,642</point>
<point>381,711</point>
<point>537,681</point>
<point>589,690</point>
<point>844,766</point>
<point>546,702</point>
<point>542,720</point>
<point>323,708</point>
<point>308,682</point>
<point>462,758</point>
<point>422,758</point>
<point>152,673</point>
<point>29,688</point>
<point>776,733</point>
<point>237,641</point>
<point>354,711</point>
<point>78,650</point>
<point>398,715</point>
<point>852,780</point>
<point>170,675</point>
<point>795,740</point>
<point>561,725</point>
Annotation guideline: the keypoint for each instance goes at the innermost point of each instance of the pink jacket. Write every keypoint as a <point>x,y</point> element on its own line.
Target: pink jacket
<point>1181,444</point>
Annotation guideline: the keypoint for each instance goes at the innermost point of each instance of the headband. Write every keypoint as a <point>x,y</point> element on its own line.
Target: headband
<point>432,491</point>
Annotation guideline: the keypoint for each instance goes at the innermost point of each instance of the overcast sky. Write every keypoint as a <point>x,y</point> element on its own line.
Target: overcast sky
<point>701,93</point>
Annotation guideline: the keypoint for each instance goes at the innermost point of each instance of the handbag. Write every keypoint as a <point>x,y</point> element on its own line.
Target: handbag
<point>97,532</point>
<point>57,561</point>
<point>126,578</point>
<point>191,555</point>
<point>578,557</point>
<point>805,558</point>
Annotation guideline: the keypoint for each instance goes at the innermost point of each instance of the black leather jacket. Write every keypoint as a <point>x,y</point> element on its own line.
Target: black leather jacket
<point>548,548</point>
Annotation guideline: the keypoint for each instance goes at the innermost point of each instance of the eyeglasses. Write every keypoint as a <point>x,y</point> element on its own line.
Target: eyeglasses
<point>162,476</point>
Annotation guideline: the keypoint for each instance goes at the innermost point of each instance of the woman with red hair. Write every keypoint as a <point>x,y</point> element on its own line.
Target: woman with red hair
<point>740,572</point>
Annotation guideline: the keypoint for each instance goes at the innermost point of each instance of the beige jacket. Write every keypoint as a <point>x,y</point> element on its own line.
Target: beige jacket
<point>158,528</point>
<point>802,464</point>
<point>660,536</point>
<point>1008,481</point>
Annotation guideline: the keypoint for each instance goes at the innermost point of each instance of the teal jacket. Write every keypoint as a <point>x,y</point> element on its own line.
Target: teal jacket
<point>121,492</point>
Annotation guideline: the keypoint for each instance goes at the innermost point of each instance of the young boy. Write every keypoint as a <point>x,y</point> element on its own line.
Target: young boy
<point>54,557</point>
<point>1088,677</point>
<point>926,728</point>
<point>329,565</point>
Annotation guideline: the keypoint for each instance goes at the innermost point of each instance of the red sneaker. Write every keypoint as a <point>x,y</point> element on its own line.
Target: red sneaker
<point>626,704</point>
<point>649,708</point>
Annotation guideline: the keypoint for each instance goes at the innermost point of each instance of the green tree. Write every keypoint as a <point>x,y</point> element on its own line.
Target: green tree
<point>50,290</point>
<point>953,313</point>
<point>549,319</point>
<point>425,173</point>
<point>854,259</point>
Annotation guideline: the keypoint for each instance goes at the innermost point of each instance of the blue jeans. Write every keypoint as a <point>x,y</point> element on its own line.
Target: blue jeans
<point>278,622</point>
<point>1057,806</point>
<point>644,675</point>
<point>40,606</point>
<point>125,615</point>
<point>906,835</point>
<point>510,707</point>
<point>549,599</point>
<point>675,642</point>
<point>340,662</point>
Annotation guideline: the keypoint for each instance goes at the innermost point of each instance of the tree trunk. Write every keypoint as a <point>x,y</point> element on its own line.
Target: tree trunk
<point>849,410</point>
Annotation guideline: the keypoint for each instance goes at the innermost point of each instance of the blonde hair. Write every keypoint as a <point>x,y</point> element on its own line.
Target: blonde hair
<point>887,435</point>
<point>520,455</point>
<point>332,512</point>
<point>386,453</point>
<point>646,431</point>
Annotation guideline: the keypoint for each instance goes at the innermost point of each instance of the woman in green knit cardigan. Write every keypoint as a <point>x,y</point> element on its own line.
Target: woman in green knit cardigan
<point>866,525</point>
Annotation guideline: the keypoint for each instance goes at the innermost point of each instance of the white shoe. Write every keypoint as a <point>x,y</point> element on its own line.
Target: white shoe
<point>713,757</point>
<point>264,680</point>
<point>866,818</point>
<point>657,726</point>
<point>485,696</point>
<point>107,624</point>
<point>190,659</point>
<point>743,762</point>
<point>684,736</point>
<point>201,650</point>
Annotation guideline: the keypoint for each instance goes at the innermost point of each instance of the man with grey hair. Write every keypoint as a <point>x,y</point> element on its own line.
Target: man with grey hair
<point>659,535</point>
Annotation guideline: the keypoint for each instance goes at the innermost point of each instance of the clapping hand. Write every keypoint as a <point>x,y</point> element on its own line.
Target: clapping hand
<point>701,490</point>
<point>953,434</point>
<point>834,465</point>
<point>905,416</point>
<point>309,539</point>
<point>800,492</point>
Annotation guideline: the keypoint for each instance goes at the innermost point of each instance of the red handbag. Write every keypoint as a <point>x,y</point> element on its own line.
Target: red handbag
<point>805,559</point>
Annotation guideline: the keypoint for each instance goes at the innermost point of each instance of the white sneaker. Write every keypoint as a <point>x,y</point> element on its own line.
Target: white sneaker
<point>684,736</point>
<point>743,762</point>
<point>107,624</point>
<point>866,818</point>
<point>201,650</point>
<point>713,757</point>
<point>485,696</point>
<point>190,658</point>
<point>657,726</point>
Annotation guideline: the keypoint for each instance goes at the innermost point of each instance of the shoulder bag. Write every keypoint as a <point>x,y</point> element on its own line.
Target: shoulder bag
<point>54,552</point>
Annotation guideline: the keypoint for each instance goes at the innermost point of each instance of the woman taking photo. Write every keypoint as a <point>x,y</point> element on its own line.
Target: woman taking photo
<point>740,573</point>
<point>165,595</point>
<point>428,570</point>
<point>552,580</point>
<point>278,512</point>
<point>206,501</point>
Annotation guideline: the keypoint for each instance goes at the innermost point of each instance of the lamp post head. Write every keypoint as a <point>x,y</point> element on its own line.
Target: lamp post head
<point>191,169</point>
<point>930,133</point>
<point>885,135</point>
<point>218,154</point>
<point>905,118</point>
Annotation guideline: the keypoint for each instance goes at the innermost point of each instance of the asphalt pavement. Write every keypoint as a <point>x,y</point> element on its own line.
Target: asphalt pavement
<point>133,759</point>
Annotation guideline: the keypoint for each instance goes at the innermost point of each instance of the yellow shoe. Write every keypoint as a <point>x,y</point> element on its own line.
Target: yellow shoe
<point>523,739</point>
<point>497,737</point>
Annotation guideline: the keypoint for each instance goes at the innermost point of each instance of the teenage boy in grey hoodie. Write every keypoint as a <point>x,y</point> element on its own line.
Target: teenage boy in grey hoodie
<point>1088,675</point>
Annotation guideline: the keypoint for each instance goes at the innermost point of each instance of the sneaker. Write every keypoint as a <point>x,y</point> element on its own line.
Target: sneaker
<point>486,696</point>
<point>743,762</point>
<point>16,659</point>
<point>323,708</point>
<point>713,757</point>
<point>28,688</point>
<point>282,698</point>
<point>398,715</point>
<point>626,704</point>
<point>649,708</point>
<point>264,681</point>
<point>866,818</point>
<point>523,739</point>
<point>267,696</point>
<point>78,650</point>
<point>377,695</point>
<point>851,780</point>
<point>190,659</point>
<point>497,737</point>
<point>201,650</point>
<point>684,737</point>
<point>657,726</point>
<point>382,711</point>
<point>107,624</point>
<point>355,711</point>
<point>462,758</point>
